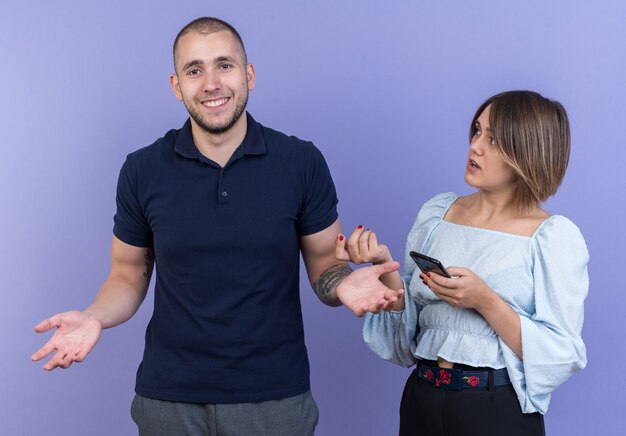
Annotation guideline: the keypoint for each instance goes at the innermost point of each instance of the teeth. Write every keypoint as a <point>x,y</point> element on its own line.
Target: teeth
<point>215,103</point>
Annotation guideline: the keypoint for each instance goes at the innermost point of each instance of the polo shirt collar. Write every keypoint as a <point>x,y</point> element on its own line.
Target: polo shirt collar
<point>253,143</point>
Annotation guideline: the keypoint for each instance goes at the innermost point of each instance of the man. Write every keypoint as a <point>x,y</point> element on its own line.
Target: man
<point>224,206</point>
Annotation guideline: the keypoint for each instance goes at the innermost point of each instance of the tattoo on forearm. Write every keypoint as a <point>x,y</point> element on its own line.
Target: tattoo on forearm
<point>149,263</point>
<point>326,286</point>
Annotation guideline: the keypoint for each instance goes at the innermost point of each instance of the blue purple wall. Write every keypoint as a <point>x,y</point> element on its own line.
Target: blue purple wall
<point>386,91</point>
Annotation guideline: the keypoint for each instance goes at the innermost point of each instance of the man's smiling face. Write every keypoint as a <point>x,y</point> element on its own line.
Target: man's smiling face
<point>212,79</point>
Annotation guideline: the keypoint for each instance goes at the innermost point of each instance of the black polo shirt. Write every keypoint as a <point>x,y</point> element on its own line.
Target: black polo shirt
<point>227,324</point>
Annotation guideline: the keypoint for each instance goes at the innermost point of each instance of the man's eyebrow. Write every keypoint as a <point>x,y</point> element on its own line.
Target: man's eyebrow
<point>197,62</point>
<point>192,63</point>
<point>225,59</point>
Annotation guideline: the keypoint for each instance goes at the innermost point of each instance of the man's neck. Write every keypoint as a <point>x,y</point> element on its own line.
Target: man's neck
<point>220,147</point>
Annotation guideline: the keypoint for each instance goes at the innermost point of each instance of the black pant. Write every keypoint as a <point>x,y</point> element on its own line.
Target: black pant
<point>427,410</point>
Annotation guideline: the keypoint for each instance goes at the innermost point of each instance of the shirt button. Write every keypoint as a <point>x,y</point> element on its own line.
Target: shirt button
<point>224,194</point>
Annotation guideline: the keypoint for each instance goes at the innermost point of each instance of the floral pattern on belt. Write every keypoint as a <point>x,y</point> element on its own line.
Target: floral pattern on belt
<point>473,381</point>
<point>445,377</point>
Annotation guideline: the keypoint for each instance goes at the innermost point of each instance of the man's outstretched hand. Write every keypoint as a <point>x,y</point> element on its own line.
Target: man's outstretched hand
<point>75,336</point>
<point>362,291</point>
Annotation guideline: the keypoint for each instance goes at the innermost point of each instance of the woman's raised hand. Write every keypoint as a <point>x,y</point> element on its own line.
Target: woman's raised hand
<point>362,247</point>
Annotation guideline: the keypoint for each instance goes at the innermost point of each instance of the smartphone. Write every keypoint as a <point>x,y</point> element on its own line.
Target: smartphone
<point>428,264</point>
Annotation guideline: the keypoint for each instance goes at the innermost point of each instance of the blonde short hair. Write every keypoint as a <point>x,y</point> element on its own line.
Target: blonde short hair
<point>532,134</point>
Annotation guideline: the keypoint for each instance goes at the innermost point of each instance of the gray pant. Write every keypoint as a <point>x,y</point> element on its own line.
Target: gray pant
<point>293,416</point>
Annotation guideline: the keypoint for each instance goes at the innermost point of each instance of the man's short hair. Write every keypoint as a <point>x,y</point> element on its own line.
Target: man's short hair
<point>206,26</point>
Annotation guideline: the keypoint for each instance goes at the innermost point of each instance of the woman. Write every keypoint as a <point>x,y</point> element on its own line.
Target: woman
<point>492,342</point>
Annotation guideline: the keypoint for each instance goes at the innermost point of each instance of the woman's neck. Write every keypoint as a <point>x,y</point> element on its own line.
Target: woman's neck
<point>492,205</point>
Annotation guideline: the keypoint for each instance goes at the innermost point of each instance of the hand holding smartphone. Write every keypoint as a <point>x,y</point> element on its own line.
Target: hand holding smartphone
<point>427,264</point>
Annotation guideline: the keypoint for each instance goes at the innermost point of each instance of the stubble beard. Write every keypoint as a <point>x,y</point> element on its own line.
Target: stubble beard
<point>216,129</point>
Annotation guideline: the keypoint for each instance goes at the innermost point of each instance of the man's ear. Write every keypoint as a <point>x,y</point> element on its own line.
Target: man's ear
<point>176,87</point>
<point>250,76</point>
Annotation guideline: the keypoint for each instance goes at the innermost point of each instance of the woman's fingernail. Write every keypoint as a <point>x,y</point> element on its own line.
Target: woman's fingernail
<point>428,274</point>
<point>422,276</point>
<point>360,227</point>
<point>341,237</point>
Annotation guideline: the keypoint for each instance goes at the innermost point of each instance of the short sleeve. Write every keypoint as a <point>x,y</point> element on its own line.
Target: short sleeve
<point>552,345</point>
<point>319,209</point>
<point>130,224</point>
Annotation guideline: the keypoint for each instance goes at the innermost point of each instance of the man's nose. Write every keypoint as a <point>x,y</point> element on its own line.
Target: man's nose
<point>211,82</point>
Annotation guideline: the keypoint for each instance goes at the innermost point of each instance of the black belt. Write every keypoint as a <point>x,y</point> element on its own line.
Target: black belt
<point>457,379</point>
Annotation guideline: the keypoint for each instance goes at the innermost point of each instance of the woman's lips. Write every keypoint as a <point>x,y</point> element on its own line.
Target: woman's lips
<point>472,166</point>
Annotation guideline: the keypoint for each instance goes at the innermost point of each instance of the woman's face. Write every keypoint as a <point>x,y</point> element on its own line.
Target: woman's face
<point>486,169</point>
